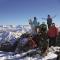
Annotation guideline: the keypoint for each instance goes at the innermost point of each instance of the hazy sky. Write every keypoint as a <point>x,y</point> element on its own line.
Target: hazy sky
<point>17,12</point>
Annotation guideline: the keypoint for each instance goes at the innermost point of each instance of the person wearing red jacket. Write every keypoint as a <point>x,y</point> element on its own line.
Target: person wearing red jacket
<point>52,34</point>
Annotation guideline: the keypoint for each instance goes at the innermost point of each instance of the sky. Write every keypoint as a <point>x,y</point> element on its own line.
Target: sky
<point>18,12</point>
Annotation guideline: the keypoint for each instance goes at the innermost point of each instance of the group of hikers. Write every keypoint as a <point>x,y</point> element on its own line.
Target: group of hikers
<point>51,31</point>
<point>42,36</point>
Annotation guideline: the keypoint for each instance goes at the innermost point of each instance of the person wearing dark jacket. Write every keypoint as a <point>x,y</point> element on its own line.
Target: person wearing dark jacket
<point>52,34</point>
<point>49,21</point>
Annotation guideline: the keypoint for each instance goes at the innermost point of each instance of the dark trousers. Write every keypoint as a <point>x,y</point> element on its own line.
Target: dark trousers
<point>49,25</point>
<point>52,41</point>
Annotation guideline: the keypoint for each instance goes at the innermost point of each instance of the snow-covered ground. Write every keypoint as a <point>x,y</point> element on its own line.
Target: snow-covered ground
<point>12,56</point>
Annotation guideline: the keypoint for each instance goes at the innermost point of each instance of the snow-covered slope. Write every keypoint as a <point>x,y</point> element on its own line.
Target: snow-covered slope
<point>8,33</point>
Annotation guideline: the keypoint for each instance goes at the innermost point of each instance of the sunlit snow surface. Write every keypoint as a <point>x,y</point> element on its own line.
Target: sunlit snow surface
<point>12,56</point>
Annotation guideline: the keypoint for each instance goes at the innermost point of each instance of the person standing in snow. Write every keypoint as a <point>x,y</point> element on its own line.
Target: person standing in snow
<point>34,24</point>
<point>52,35</point>
<point>49,21</point>
<point>43,27</point>
<point>31,25</point>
